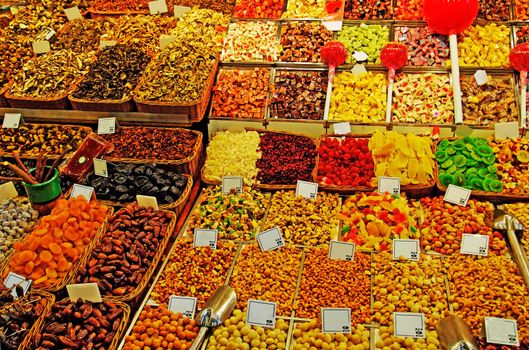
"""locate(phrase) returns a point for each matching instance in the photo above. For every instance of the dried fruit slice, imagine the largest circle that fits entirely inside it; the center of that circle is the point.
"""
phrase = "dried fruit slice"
(484, 150)
(446, 179)
(523, 156)
(441, 156)
(460, 161)
(496, 186)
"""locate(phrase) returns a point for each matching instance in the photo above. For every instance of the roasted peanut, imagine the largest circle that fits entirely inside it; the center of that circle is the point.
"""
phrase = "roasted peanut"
(309, 335)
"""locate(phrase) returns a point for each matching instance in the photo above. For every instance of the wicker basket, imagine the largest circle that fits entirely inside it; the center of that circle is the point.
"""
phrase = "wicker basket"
(49, 300)
(3, 100)
(195, 110)
(124, 105)
(60, 102)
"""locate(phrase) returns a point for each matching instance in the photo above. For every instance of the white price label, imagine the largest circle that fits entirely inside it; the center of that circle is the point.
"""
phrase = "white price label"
(232, 182)
(205, 238)
(81, 190)
(12, 120)
(333, 26)
(360, 69)
(475, 244)
(147, 201)
(457, 195)
(184, 305)
(180, 11)
(165, 40)
(41, 46)
(360, 56)
(408, 324)
(107, 125)
(158, 6)
(407, 248)
(481, 77)
(388, 184)
(336, 320)
(100, 167)
(342, 251)
(73, 13)
(270, 239)
(305, 189)
(508, 130)
(85, 291)
(261, 313)
(7, 191)
(106, 43)
(13, 279)
(501, 331)
(343, 128)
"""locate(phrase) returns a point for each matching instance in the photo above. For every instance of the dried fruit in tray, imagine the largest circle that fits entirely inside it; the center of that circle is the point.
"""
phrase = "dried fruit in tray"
(372, 221)
(241, 93)
(17, 219)
(521, 34)
(232, 154)
(484, 46)
(521, 10)
(469, 162)
(225, 7)
(409, 10)
(251, 41)
(16, 51)
(195, 272)
(302, 41)
(368, 9)
(258, 9)
(298, 95)
(493, 10)
(83, 35)
(425, 48)
(443, 225)
(345, 162)
(369, 39)
(58, 6)
(408, 157)
(305, 9)
(235, 216)
(393, 281)
(358, 98)
(30, 20)
(269, 275)
(334, 283)
(120, 6)
(310, 222)
(309, 335)
(386, 339)
(512, 165)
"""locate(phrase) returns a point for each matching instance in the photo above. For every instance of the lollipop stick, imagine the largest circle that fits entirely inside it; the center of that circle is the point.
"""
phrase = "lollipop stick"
(332, 70)
(389, 100)
(523, 98)
(456, 85)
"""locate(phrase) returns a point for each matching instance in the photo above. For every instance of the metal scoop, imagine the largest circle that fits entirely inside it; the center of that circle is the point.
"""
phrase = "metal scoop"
(507, 222)
(218, 308)
(455, 334)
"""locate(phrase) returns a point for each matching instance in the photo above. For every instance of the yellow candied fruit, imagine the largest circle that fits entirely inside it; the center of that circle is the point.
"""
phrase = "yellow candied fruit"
(485, 46)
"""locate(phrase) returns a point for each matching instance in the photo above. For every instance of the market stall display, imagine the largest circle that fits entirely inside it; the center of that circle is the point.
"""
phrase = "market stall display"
(368, 9)
(258, 9)
(365, 38)
(304, 9)
(425, 48)
(248, 41)
(119, 7)
(302, 41)
(409, 10)
(484, 46)
(310, 334)
(82, 35)
(521, 10)
(225, 7)
(511, 166)
(494, 10)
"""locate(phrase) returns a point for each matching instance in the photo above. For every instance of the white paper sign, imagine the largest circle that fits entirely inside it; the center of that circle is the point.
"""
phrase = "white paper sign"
(106, 126)
(501, 331)
(105, 43)
(333, 26)
(41, 46)
(261, 313)
(360, 56)
(407, 248)
(81, 190)
(481, 77)
(336, 320)
(158, 6)
(408, 324)
(13, 279)
(147, 201)
(85, 291)
(180, 11)
(305, 189)
(73, 13)
(165, 40)
(100, 167)
(388, 184)
(343, 128)
(205, 238)
(342, 251)
(270, 239)
(508, 130)
(457, 195)
(359, 69)
(475, 244)
(231, 182)
(7, 191)
(12, 120)
(184, 305)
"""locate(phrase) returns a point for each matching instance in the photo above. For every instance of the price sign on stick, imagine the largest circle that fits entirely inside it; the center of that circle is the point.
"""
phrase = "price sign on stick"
(184, 305)
(261, 313)
(12, 120)
(457, 195)
(388, 184)
(205, 238)
(342, 251)
(106, 126)
(407, 248)
(305, 189)
(501, 331)
(475, 244)
(81, 190)
(270, 239)
(409, 324)
(13, 279)
(231, 182)
(336, 320)
(85, 291)
(100, 167)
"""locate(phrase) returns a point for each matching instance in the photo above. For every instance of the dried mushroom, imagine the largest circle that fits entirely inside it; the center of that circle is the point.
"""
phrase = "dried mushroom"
(215, 5)
(82, 35)
(120, 5)
(31, 19)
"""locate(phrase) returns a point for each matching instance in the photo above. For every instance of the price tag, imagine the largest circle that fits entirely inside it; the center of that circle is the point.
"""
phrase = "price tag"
(7, 191)
(360, 56)
(481, 77)
(408, 248)
(501, 331)
(335, 320)
(85, 291)
(106, 126)
(408, 324)
(13, 279)
(261, 313)
(147, 201)
(180, 11)
(73, 13)
(333, 26)
(12, 120)
(270, 239)
(41, 46)
(232, 182)
(100, 167)
(158, 6)
(506, 130)
(105, 43)
(165, 40)
(81, 190)
(205, 238)
(343, 128)
(359, 69)
(475, 244)
(184, 305)
(388, 184)
(305, 189)
(342, 251)
(457, 195)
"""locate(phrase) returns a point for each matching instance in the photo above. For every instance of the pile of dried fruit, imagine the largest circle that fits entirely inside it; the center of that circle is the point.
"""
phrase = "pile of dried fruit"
(120, 6)
(224, 7)
(258, 9)
(83, 35)
(17, 218)
(251, 41)
(386, 339)
(512, 165)
(302, 41)
(308, 335)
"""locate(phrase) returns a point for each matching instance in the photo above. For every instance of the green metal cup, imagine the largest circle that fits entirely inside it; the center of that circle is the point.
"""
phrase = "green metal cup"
(44, 192)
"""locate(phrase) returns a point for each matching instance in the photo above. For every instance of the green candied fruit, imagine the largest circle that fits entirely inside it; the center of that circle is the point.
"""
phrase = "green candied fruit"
(364, 38)
(496, 186)
(447, 179)
(441, 156)
(460, 161)
(484, 151)
(447, 164)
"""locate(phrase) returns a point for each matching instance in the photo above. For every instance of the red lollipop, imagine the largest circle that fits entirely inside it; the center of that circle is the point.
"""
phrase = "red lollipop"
(519, 59)
(451, 17)
(393, 57)
(333, 54)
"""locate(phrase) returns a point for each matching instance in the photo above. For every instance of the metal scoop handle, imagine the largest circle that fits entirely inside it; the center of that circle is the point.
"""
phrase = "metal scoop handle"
(518, 254)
